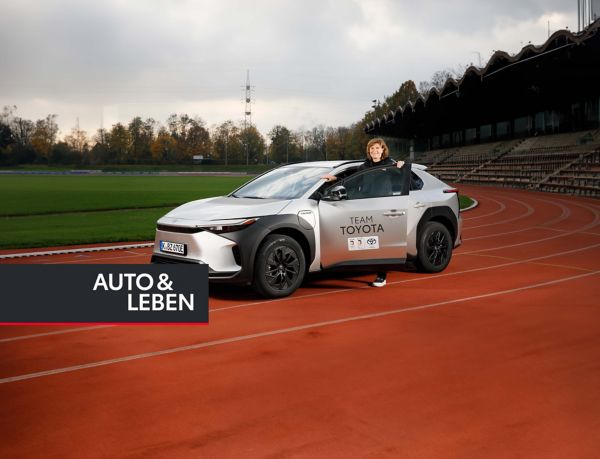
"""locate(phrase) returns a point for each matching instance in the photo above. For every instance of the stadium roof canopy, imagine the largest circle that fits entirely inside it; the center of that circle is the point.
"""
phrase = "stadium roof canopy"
(564, 70)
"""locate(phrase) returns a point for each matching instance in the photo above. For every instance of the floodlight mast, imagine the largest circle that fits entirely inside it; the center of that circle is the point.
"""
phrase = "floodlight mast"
(247, 113)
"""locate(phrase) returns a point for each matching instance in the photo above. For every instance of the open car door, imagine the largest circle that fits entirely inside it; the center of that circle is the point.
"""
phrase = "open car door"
(363, 219)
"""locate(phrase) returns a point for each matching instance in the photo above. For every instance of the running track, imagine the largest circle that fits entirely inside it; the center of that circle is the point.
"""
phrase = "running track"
(498, 356)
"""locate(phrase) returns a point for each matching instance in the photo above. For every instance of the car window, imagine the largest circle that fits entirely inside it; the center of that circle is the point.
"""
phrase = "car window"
(416, 183)
(340, 176)
(283, 183)
(376, 183)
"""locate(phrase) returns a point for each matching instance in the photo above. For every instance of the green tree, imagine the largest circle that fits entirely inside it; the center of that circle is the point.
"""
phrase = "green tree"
(358, 141)
(338, 142)
(141, 135)
(44, 136)
(21, 132)
(164, 147)
(227, 144)
(198, 140)
(118, 141)
(62, 153)
(190, 135)
(99, 153)
(405, 94)
(253, 144)
(6, 136)
(284, 146)
(78, 143)
(314, 144)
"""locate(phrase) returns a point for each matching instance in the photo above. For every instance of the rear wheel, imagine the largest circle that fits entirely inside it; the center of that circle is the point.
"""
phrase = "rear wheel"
(279, 267)
(434, 248)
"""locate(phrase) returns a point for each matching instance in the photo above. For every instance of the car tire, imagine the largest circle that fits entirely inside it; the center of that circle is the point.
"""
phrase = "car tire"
(280, 266)
(434, 249)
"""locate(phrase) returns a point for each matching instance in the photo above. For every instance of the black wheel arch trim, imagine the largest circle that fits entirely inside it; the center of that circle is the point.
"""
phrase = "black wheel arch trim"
(443, 215)
(250, 239)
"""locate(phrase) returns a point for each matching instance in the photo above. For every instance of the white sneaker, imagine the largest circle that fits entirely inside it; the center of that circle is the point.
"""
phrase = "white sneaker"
(379, 282)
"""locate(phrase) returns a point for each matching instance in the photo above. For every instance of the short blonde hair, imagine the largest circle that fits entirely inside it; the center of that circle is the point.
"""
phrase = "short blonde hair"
(384, 147)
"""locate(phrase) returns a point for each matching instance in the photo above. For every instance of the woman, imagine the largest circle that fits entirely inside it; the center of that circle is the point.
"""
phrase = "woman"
(377, 155)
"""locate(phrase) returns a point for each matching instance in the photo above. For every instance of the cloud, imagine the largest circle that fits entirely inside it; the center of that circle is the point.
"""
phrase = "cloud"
(311, 62)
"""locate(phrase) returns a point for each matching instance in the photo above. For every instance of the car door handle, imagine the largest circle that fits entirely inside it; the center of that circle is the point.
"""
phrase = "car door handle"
(418, 205)
(394, 213)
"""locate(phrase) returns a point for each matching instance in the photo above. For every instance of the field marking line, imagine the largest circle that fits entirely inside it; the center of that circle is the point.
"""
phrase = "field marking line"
(287, 330)
(72, 251)
(56, 332)
(476, 253)
(414, 279)
(552, 265)
(501, 206)
(566, 212)
(594, 223)
(74, 262)
(335, 291)
(530, 210)
(488, 255)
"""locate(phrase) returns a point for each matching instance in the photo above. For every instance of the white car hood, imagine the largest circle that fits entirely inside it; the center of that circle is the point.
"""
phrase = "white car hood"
(222, 208)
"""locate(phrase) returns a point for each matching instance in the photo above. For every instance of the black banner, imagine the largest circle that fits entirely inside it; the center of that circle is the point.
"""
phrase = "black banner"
(103, 294)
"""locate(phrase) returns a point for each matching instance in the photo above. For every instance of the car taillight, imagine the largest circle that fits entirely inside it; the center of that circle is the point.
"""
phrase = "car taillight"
(451, 190)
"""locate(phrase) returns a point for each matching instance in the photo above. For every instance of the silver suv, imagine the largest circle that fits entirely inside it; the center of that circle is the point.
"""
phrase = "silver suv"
(289, 221)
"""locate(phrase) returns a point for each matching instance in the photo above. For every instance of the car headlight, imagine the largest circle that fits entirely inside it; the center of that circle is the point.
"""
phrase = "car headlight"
(229, 227)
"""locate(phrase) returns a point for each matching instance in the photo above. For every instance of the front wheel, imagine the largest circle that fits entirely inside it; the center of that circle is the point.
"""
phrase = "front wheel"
(279, 267)
(434, 248)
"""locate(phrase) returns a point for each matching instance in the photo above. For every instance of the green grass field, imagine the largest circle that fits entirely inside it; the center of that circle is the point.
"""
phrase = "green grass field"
(465, 201)
(79, 228)
(41, 211)
(250, 169)
(34, 195)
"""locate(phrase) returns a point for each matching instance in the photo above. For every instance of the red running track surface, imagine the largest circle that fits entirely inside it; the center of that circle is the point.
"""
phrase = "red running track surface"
(498, 356)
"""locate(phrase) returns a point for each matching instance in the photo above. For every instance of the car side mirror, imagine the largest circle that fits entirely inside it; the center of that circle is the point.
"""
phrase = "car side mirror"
(336, 193)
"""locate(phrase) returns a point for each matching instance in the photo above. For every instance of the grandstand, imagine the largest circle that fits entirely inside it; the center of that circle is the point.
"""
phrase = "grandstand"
(529, 120)
(565, 163)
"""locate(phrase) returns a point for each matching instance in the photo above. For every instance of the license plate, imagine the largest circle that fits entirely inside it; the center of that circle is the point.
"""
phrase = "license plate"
(173, 247)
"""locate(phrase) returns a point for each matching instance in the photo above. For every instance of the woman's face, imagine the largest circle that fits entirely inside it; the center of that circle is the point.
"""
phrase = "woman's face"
(376, 152)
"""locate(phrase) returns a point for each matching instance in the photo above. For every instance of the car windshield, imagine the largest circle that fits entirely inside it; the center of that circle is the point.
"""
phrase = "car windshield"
(288, 182)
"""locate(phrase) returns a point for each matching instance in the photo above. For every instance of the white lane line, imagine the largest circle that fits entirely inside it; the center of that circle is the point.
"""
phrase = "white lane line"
(282, 331)
(565, 232)
(530, 210)
(566, 212)
(56, 332)
(474, 203)
(553, 265)
(416, 279)
(501, 206)
(88, 260)
(594, 223)
(71, 251)
(338, 290)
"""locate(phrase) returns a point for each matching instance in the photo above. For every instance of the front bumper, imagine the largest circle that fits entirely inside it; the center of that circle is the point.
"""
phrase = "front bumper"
(219, 253)
(230, 256)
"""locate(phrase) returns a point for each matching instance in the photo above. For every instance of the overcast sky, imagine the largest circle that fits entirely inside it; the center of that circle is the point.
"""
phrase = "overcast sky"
(311, 61)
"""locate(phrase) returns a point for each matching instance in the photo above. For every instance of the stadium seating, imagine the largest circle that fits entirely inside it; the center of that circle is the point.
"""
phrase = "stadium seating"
(564, 163)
